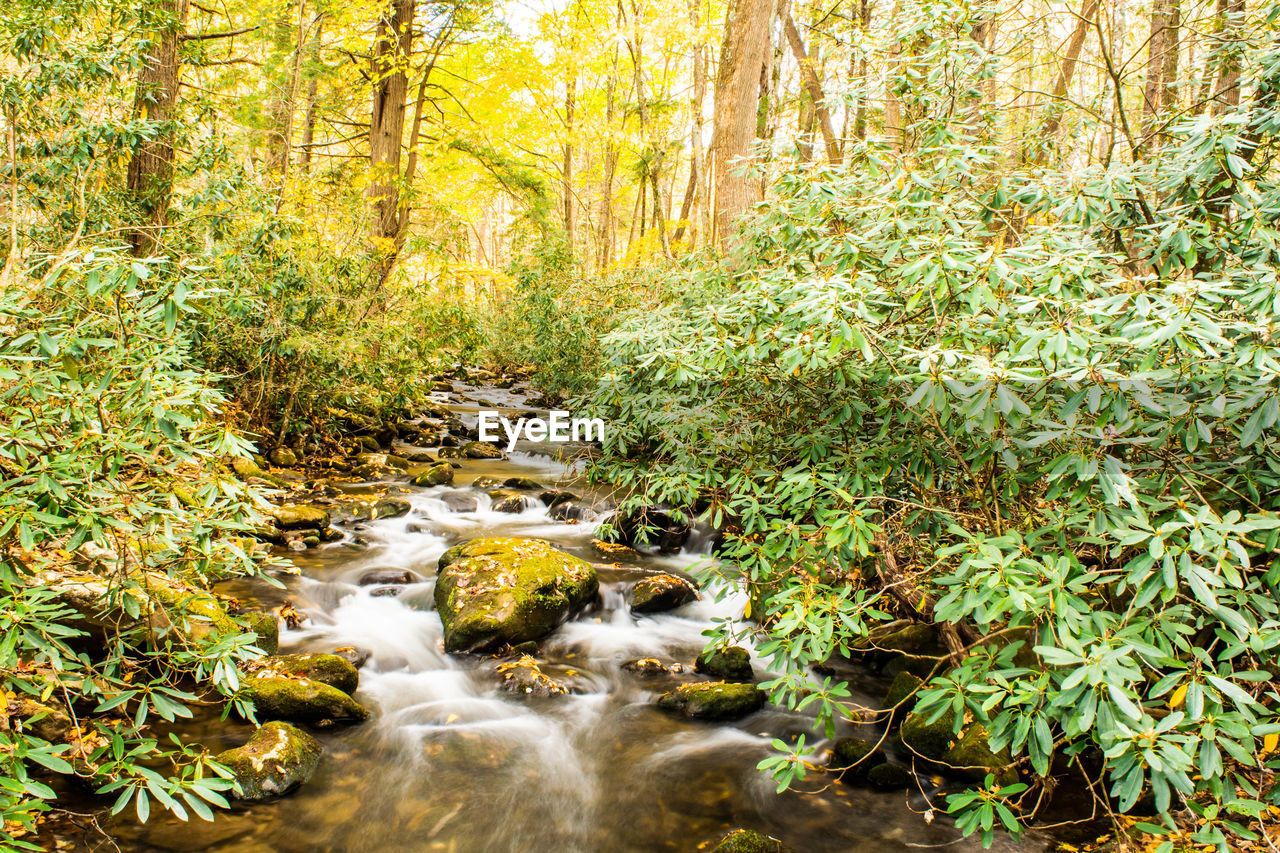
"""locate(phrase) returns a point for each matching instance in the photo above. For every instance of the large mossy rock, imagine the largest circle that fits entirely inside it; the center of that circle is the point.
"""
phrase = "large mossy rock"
(713, 700)
(889, 777)
(436, 475)
(972, 758)
(853, 758)
(929, 739)
(659, 593)
(503, 591)
(300, 517)
(327, 669)
(301, 700)
(749, 841)
(266, 626)
(276, 760)
(901, 697)
(481, 450)
(731, 664)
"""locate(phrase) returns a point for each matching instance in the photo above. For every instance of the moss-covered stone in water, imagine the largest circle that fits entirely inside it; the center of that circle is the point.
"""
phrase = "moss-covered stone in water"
(301, 701)
(481, 450)
(507, 500)
(499, 591)
(854, 757)
(749, 841)
(889, 777)
(43, 721)
(523, 483)
(713, 700)
(972, 758)
(659, 593)
(266, 626)
(391, 508)
(283, 457)
(901, 695)
(277, 759)
(332, 670)
(436, 475)
(300, 517)
(731, 664)
(930, 740)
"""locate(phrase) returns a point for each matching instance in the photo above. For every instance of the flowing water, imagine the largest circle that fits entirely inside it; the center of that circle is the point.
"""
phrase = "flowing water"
(449, 762)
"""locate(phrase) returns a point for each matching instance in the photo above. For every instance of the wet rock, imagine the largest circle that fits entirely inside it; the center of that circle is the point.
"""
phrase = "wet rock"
(645, 666)
(283, 457)
(525, 677)
(481, 450)
(713, 700)
(448, 452)
(43, 721)
(749, 841)
(300, 517)
(522, 483)
(353, 655)
(386, 591)
(499, 591)
(889, 777)
(326, 669)
(418, 454)
(731, 664)
(368, 443)
(249, 470)
(507, 500)
(353, 512)
(650, 526)
(572, 511)
(436, 475)
(853, 758)
(380, 577)
(459, 502)
(929, 739)
(973, 759)
(659, 593)
(266, 626)
(901, 696)
(551, 497)
(276, 760)
(391, 508)
(301, 701)
(486, 482)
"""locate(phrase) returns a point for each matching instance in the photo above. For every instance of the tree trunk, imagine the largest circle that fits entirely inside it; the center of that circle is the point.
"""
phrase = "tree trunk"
(737, 101)
(894, 132)
(1226, 90)
(608, 226)
(566, 175)
(1062, 82)
(150, 177)
(386, 126)
(688, 207)
(290, 107)
(860, 113)
(814, 87)
(1163, 39)
(313, 82)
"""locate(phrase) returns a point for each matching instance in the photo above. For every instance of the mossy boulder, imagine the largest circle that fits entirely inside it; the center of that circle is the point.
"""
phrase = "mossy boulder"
(929, 739)
(277, 759)
(853, 758)
(492, 592)
(481, 450)
(248, 469)
(301, 700)
(731, 664)
(551, 497)
(889, 777)
(524, 676)
(659, 593)
(523, 483)
(391, 508)
(901, 696)
(283, 457)
(43, 721)
(713, 700)
(651, 526)
(972, 758)
(749, 841)
(507, 500)
(436, 475)
(266, 626)
(300, 517)
(332, 670)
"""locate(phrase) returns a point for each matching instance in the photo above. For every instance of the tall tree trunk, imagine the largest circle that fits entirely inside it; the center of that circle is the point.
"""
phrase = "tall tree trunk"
(1062, 82)
(386, 126)
(608, 224)
(814, 87)
(860, 113)
(1162, 40)
(290, 107)
(566, 174)
(313, 83)
(1226, 89)
(737, 101)
(894, 132)
(150, 176)
(688, 207)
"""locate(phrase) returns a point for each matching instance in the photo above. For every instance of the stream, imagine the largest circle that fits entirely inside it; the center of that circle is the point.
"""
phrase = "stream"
(450, 762)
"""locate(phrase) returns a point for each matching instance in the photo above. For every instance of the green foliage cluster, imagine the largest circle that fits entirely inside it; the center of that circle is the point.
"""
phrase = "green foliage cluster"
(1046, 401)
(111, 456)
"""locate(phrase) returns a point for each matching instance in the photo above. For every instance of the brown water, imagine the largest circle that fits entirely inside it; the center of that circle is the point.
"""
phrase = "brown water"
(448, 762)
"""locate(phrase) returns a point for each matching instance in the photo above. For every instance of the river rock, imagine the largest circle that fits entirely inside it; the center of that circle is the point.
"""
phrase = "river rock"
(749, 841)
(436, 475)
(249, 470)
(327, 669)
(889, 777)
(276, 760)
(551, 497)
(731, 664)
(418, 454)
(646, 666)
(499, 591)
(713, 700)
(572, 511)
(486, 482)
(301, 700)
(901, 697)
(507, 500)
(853, 758)
(525, 677)
(448, 452)
(266, 626)
(973, 759)
(522, 483)
(354, 655)
(928, 739)
(283, 457)
(391, 508)
(651, 526)
(460, 502)
(300, 517)
(481, 450)
(43, 721)
(381, 577)
(659, 593)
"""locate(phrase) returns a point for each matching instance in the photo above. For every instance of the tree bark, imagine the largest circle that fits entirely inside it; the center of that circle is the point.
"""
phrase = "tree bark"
(737, 100)
(860, 113)
(566, 174)
(313, 83)
(1062, 82)
(390, 65)
(688, 207)
(1226, 89)
(1163, 40)
(814, 87)
(150, 176)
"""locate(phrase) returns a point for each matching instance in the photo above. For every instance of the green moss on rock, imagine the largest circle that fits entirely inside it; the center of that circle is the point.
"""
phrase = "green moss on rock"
(391, 508)
(713, 700)
(659, 593)
(929, 739)
(492, 592)
(332, 670)
(889, 777)
(972, 758)
(266, 626)
(901, 695)
(436, 475)
(731, 664)
(749, 841)
(301, 701)
(300, 517)
(276, 760)
(853, 758)
(481, 450)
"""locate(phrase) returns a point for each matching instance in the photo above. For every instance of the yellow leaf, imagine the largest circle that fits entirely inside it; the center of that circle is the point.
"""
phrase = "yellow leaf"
(1270, 742)
(1175, 700)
